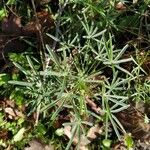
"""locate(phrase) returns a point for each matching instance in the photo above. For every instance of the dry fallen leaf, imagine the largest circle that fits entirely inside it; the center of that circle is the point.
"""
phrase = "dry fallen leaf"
(133, 121)
(67, 132)
(13, 113)
(45, 20)
(83, 141)
(93, 132)
(36, 145)
(10, 103)
(12, 24)
(10, 111)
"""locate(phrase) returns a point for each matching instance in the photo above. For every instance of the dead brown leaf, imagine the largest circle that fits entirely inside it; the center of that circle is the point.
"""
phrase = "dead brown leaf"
(36, 145)
(119, 146)
(13, 113)
(10, 112)
(93, 132)
(31, 27)
(3, 134)
(83, 141)
(10, 103)
(12, 24)
(45, 21)
(133, 121)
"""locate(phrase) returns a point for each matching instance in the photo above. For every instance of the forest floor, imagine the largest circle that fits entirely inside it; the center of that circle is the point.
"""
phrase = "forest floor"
(74, 75)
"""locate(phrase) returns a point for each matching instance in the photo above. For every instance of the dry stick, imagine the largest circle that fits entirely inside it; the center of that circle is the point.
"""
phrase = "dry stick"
(42, 53)
(146, 22)
(93, 106)
(12, 11)
(60, 11)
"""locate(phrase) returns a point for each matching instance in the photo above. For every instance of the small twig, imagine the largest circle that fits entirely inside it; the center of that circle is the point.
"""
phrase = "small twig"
(60, 11)
(40, 36)
(93, 106)
(12, 12)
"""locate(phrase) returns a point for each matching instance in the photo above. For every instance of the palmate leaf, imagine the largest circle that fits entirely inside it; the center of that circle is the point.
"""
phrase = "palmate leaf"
(124, 70)
(54, 115)
(21, 83)
(121, 52)
(115, 127)
(53, 73)
(116, 62)
(117, 104)
(21, 68)
(119, 109)
(116, 101)
(99, 34)
(31, 65)
(91, 30)
(53, 56)
(50, 105)
(54, 38)
(118, 122)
